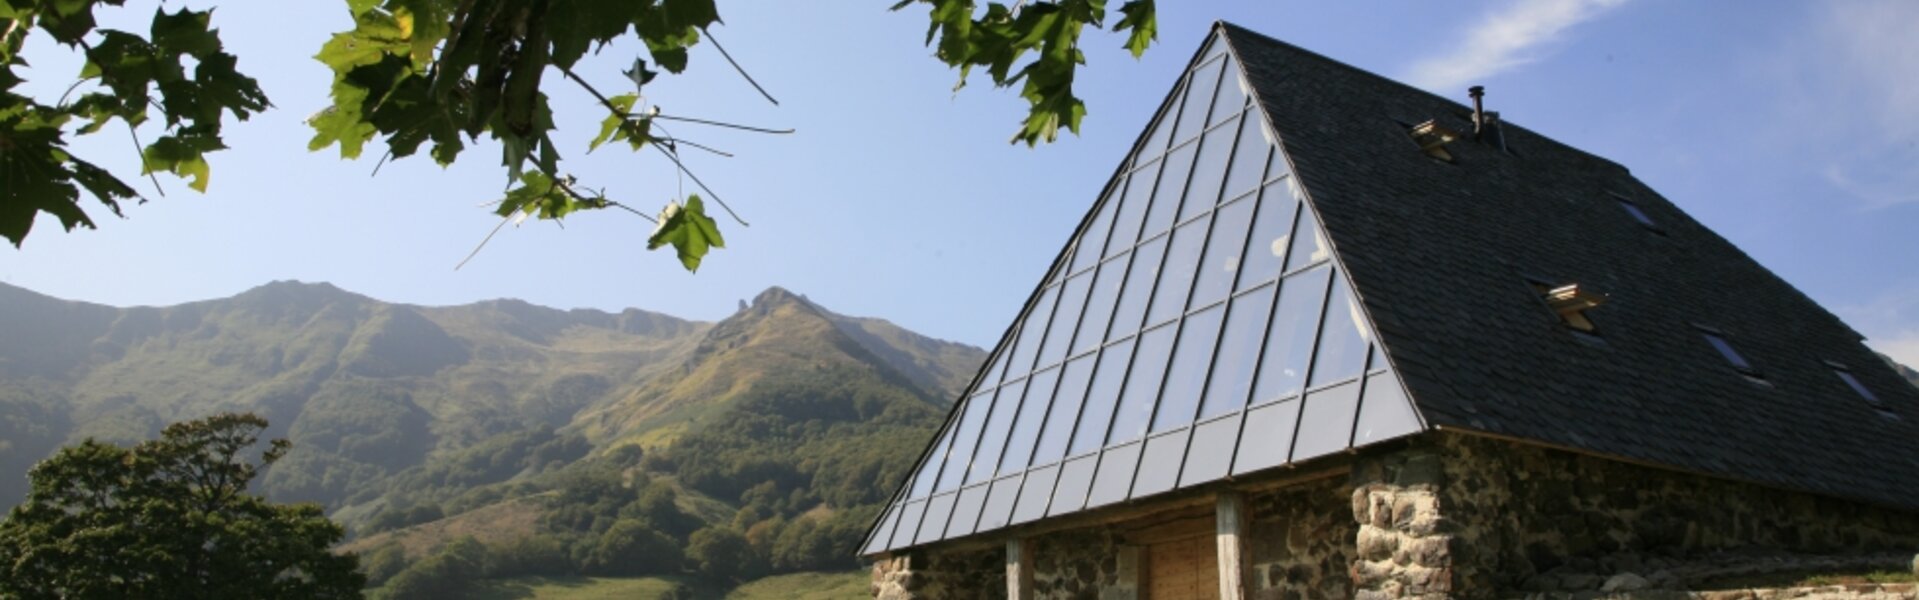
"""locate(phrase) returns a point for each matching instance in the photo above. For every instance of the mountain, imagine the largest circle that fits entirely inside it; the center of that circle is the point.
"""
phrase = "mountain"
(1909, 373)
(389, 404)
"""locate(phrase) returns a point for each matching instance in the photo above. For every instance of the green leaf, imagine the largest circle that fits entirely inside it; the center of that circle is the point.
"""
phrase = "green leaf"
(1143, 20)
(618, 126)
(689, 230)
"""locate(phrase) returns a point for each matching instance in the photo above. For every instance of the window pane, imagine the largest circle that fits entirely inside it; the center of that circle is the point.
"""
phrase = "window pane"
(1036, 491)
(1101, 397)
(1249, 157)
(1199, 98)
(1222, 253)
(1162, 127)
(1231, 95)
(1142, 391)
(962, 452)
(1176, 273)
(1115, 475)
(1031, 332)
(1092, 243)
(930, 471)
(1232, 376)
(999, 504)
(1272, 234)
(1385, 414)
(1637, 213)
(1277, 166)
(884, 533)
(1209, 172)
(909, 524)
(1268, 437)
(1860, 388)
(1159, 468)
(1099, 306)
(1725, 349)
(1066, 403)
(1019, 445)
(1139, 193)
(1327, 426)
(1289, 341)
(1060, 333)
(1378, 361)
(1186, 375)
(966, 511)
(1211, 455)
(1074, 478)
(1308, 245)
(1139, 288)
(1342, 344)
(993, 436)
(1172, 183)
(938, 511)
(996, 373)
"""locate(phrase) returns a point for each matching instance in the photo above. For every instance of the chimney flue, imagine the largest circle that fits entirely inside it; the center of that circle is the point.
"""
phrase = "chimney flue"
(1478, 92)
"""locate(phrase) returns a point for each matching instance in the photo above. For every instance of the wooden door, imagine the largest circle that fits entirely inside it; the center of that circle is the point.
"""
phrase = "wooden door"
(1183, 569)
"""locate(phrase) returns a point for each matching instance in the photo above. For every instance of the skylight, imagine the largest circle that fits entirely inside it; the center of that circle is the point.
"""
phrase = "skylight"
(1719, 343)
(1638, 214)
(1845, 374)
(1432, 138)
(1570, 302)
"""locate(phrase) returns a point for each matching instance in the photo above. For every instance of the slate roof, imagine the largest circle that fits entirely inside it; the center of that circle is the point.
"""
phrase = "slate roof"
(1441, 255)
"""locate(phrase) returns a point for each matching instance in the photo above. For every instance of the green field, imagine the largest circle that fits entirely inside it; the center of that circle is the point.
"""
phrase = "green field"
(796, 586)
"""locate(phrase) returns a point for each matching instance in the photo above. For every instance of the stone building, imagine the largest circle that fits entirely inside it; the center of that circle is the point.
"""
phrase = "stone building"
(1324, 335)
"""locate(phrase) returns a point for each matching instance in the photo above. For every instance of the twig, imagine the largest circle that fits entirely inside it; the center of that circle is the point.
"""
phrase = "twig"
(560, 182)
(489, 238)
(137, 149)
(736, 65)
(669, 155)
(723, 124)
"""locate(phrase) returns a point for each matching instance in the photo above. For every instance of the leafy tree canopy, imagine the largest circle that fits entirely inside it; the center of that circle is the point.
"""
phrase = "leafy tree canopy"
(439, 74)
(169, 518)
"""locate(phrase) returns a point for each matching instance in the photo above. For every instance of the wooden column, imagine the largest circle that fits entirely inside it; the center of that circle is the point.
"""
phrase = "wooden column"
(1019, 569)
(1230, 518)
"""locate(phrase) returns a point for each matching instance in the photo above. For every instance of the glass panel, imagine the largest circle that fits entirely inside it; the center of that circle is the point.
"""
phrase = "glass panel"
(1725, 349)
(1637, 214)
(1160, 466)
(1231, 95)
(1019, 444)
(995, 374)
(1327, 426)
(1272, 235)
(1385, 414)
(1277, 166)
(1142, 391)
(1289, 341)
(1342, 344)
(1099, 306)
(1249, 157)
(1101, 398)
(1199, 98)
(1038, 488)
(1092, 243)
(969, 434)
(1132, 212)
(1232, 376)
(1268, 437)
(909, 524)
(966, 511)
(1139, 288)
(883, 533)
(1074, 477)
(1032, 331)
(1852, 382)
(1066, 403)
(999, 504)
(1186, 375)
(929, 472)
(938, 511)
(1172, 183)
(1222, 253)
(1115, 475)
(1378, 361)
(1308, 245)
(1209, 172)
(1060, 333)
(1162, 127)
(1176, 273)
(993, 436)
(1211, 455)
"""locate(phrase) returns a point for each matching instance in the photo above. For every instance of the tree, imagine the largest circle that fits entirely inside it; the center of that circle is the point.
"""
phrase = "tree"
(169, 518)
(722, 554)
(441, 73)
(630, 548)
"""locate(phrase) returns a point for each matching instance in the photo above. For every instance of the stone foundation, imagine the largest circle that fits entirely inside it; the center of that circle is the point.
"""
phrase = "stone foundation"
(1299, 542)
(935, 575)
(1082, 563)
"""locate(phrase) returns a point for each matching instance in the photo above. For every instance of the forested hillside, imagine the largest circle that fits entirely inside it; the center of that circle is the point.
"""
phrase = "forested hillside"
(541, 441)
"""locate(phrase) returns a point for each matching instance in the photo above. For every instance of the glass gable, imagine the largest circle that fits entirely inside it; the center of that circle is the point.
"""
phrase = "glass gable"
(1199, 327)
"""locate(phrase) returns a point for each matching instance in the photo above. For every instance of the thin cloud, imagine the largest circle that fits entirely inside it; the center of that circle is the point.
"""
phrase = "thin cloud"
(1506, 38)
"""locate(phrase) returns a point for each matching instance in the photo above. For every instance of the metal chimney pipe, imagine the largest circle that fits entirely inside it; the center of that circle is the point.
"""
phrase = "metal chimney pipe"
(1478, 92)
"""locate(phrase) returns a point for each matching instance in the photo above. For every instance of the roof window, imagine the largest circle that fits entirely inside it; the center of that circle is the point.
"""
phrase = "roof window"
(1638, 214)
(1845, 374)
(1432, 139)
(1571, 301)
(1718, 341)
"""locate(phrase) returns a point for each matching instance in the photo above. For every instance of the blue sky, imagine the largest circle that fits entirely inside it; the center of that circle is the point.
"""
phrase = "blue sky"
(1790, 128)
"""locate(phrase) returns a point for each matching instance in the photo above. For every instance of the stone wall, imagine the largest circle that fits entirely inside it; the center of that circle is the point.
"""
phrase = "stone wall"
(1299, 542)
(1470, 517)
(1083, 564)
(940, 575)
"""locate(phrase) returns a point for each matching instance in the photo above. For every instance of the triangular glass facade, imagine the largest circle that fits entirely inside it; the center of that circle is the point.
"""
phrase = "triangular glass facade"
(1198, 327)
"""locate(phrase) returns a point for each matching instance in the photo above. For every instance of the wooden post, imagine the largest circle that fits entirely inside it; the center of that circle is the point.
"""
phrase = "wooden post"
(1230, 518)
(1019, 569)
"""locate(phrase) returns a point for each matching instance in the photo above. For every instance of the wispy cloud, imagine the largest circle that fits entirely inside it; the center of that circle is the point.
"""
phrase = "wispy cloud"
(1877, 54)
(1890, 322)
(1508, 37)
(1857, 83)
